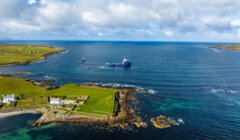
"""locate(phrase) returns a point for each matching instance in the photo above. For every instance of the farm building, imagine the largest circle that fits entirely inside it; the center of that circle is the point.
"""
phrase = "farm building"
(54, 100)
(9, 98)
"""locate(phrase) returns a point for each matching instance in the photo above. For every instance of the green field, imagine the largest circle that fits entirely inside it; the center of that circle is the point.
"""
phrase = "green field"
(100, 101)
(233, 47)
(23, 54)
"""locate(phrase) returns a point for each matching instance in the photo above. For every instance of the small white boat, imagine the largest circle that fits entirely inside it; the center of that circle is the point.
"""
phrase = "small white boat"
(83, 59)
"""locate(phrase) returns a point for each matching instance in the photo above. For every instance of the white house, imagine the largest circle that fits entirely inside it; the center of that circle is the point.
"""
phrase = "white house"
(9, 98)
(54, 100)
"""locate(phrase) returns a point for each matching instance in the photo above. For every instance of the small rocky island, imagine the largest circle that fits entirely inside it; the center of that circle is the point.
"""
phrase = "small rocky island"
(163, 122)
(232, 47)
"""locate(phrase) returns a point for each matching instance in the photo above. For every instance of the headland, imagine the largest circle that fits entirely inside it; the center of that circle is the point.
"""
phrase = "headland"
(24, 54)
(232, 47)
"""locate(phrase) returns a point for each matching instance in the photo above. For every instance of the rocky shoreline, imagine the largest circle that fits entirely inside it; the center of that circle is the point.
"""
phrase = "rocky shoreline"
(125, 116)
(15, 74)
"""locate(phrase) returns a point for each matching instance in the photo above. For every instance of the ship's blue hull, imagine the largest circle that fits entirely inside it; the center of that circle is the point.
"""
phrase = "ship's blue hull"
(119, 64)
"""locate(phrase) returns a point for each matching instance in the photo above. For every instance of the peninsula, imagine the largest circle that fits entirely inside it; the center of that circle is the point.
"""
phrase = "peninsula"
(69, 103)
(25, 54)
(232, 47)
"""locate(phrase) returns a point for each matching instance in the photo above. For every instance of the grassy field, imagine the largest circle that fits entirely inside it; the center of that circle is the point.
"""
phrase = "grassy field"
(32, 102)
(233, 47)
(23, 54)
(100, 100)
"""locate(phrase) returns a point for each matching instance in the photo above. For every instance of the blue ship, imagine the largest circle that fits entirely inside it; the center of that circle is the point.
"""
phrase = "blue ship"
(125, 63)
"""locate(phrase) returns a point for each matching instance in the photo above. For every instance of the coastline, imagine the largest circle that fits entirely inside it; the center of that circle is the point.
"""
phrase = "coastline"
(13, 113)
(230, 47)
(125, 116)
(34, 61)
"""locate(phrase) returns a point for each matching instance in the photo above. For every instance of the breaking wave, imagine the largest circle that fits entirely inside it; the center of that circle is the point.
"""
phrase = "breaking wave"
(216, 90)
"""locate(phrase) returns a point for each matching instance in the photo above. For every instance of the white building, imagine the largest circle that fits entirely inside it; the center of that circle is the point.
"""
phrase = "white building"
(9, 98)
(54, 100)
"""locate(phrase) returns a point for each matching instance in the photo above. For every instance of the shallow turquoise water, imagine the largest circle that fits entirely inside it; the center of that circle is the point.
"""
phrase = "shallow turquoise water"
(190, 82)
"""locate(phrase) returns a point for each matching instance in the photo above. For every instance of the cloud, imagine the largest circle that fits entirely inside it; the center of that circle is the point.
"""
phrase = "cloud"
(127, 20)
(235, 23)
(100, 34)
(18, 26)
(168, 33)
(31, 2)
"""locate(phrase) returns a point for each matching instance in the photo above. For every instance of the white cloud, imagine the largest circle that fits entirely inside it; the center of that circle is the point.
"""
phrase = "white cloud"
(44, 1)
(100, 34)
(168, 33)
(130, 19)
(235, 23)
(31, 2)
(93, 17)
(18, 26)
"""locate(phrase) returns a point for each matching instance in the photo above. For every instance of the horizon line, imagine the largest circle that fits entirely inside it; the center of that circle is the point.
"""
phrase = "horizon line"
(121, 41)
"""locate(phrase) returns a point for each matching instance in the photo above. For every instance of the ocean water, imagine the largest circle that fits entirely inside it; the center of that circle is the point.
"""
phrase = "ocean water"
(190, 81)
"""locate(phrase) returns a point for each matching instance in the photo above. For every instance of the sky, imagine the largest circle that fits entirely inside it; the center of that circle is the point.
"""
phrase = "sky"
(124, 20)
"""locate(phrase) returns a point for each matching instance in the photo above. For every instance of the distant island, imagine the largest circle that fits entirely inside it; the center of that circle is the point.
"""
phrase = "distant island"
(232, 47)
(24, 54)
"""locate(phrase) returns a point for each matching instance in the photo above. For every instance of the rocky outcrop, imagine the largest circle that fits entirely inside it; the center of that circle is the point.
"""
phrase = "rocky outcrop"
(42, 82)
(15, 74)
(163, 122)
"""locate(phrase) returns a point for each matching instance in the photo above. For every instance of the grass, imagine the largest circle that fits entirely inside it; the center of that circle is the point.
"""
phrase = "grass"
(233, 47)
(32, 102)
(100, 101)
(23, 54)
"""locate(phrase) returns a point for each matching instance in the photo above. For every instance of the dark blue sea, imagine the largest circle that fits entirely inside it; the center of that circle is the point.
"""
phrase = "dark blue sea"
(187, 80)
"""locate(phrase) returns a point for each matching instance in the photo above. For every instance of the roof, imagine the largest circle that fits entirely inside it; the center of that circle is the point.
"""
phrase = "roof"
(55, 99)
(9, 96)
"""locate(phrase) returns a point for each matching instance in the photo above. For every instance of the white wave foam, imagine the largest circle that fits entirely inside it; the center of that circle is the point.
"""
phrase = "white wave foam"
(216, 50)
(118, 85)
(138, 88)
(101, 67)
(215, 90)
(40, 61)
(151, 91)
(49, 77)
(114, 85)
(66, 51)
(180, 120)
